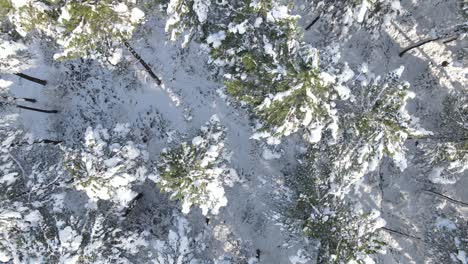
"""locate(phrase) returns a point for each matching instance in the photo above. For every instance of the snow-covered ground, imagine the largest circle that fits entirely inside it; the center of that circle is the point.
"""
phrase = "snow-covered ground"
(249, 229)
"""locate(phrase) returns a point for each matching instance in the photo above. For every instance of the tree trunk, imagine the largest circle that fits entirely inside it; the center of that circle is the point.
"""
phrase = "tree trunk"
(42, 141)
(422, 42)
(37, 110)
(19, 99)
(447, 198)
(400, 233)
(32, 79)
(143, 63)
(313, 22)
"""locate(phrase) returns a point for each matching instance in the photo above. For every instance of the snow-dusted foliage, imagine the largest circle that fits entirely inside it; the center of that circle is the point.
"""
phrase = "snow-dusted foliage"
(80, 28)
(448, 240)
(14, 57)
(195, 172)
(343, 229)
(343, 232)
(447, 154)
(33, 183)
(183, 15)
(373, 124)
(108, 165)
(179, 246)
(267, 65)
(342, 17)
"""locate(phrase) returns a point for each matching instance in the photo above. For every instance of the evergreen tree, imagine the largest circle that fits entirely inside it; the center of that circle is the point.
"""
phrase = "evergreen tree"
(195, 173)
(82, 29)
(108, 165)
(343, 17)
(446, 153)
(267, 66)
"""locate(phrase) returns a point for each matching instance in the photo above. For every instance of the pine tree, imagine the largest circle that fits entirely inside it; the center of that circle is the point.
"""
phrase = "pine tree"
(344, 17)
(194, 173)
(82, 29)
(108, 165)
(267, 66)
(446, 153)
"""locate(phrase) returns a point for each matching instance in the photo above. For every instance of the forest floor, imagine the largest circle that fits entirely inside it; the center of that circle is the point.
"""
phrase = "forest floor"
(86, 94)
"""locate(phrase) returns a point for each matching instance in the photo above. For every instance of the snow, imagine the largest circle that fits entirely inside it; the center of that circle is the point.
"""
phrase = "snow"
(34, 218)
(315, 134)
(299, 258)
(137, 15)
(196, 141)
(436, 177)
(343, 91)
(267, 154)
(201, 7)
(4, 256)
(362, 11)
(278, 13)
(258, 22)
(116, 57)
(69, 238)
(445, 223)
(239, 28)
(462, 256)
(20, 3)
(250, 203)
(9, 178)
(216, 39)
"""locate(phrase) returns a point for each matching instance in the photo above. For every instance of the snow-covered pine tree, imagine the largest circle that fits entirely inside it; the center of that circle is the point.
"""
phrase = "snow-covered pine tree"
(373, 124)
(446, 153)
(82, 29)
(343, 17)
(344, 231)
(267, 66)
(447, 240)
(108, 165)
(194, 173)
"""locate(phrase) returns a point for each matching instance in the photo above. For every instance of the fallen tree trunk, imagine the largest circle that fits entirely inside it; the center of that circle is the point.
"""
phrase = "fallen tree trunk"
(37, 109)
(19, 99)
(399, 233)
(31, 79)
(447, 198)
(143, 63)
(313, 22)
(422, 42)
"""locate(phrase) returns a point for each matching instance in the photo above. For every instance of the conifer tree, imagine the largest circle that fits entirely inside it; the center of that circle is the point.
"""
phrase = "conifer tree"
(82, 29)
(194, 173)
(108, 165)
(267, 65)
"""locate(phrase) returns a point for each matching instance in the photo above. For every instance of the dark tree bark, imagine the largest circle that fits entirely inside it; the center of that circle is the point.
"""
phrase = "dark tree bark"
(447, 198)
(143, 63)
(400, 233)
(422, 42)
(41, 141)
(37, 109)
(31, 79)
(19, 99)
(313, 22)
